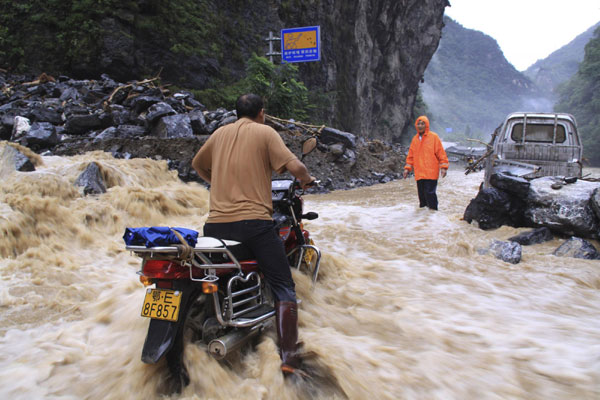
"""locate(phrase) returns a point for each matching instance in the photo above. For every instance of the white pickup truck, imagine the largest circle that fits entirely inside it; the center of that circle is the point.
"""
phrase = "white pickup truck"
(531, 145)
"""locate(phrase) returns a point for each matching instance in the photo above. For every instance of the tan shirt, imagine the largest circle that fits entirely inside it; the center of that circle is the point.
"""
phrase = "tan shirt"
(239, 159)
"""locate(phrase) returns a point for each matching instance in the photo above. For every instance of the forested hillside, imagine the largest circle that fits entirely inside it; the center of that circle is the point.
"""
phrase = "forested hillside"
(580, 96)
(561, 65)
(470, 86)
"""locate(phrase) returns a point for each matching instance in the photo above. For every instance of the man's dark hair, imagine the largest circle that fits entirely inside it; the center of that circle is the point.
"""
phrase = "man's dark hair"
(248, 105)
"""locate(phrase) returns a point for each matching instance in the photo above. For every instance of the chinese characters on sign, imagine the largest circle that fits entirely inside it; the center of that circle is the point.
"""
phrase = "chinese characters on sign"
(301, 44)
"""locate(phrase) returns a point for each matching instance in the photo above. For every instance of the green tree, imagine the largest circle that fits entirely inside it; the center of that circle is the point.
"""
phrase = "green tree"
(580, 96)
(284, 94)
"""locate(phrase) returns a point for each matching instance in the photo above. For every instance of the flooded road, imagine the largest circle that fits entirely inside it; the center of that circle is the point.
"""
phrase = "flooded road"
(405, 307)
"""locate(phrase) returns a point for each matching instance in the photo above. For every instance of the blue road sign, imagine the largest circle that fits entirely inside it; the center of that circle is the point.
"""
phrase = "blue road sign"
(301, 44)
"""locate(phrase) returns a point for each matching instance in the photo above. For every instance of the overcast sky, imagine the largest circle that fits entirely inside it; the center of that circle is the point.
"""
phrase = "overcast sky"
(527, 30)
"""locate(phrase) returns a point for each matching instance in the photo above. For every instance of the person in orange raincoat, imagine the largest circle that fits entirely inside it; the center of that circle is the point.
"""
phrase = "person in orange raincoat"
(426, 157)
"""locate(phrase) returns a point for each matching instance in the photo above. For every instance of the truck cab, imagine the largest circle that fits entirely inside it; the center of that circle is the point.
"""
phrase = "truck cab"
(532, 145)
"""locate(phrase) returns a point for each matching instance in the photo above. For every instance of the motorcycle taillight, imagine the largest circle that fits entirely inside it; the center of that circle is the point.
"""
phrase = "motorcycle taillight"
(164, 269)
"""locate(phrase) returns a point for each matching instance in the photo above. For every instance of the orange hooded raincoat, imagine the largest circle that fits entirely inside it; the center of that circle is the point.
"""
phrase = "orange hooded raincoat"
(426, 155)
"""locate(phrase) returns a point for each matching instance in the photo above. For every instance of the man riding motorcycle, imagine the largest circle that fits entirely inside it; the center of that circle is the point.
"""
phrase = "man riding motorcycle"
(237, 160)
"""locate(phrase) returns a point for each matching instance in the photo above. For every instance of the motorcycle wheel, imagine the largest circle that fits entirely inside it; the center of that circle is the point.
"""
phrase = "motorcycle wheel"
(191, 331)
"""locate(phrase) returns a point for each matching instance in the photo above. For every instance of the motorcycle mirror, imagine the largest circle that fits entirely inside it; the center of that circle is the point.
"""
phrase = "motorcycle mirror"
(308, 146)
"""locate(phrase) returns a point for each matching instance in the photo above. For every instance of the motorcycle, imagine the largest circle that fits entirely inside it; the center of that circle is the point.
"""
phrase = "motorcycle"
(213, 293)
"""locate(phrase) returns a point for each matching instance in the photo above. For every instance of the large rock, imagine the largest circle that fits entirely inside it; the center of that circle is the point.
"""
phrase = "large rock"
(595, 202)
(159, 110)
(492, 208)
(173, 126)
(198, 122)
(567, 210)
(21, 128)
(42, 135)
(511, 184)
(12, 160)
(566, 206)
(121, 131)
(90, 180)
(506, 251)
(577, 248)
(332, 136)
(535, 236)
(80, 124)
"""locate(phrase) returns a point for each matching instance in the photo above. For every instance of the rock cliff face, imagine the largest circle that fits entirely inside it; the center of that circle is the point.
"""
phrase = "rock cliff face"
(374, 54)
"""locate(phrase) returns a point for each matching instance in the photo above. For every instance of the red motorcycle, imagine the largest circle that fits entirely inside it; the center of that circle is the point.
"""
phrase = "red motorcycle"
(212, 293)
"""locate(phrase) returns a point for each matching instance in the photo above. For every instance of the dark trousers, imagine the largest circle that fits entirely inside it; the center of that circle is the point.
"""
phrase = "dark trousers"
(427, 197)
(261, 238)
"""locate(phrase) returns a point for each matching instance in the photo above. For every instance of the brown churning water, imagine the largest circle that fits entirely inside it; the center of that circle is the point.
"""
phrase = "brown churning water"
(405, 307)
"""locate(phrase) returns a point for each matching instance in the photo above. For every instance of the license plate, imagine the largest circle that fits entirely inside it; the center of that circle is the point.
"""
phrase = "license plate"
(162, 304)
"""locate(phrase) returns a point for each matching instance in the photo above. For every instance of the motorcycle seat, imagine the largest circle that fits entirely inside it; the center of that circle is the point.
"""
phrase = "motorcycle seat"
(240, 251)
(214, 243)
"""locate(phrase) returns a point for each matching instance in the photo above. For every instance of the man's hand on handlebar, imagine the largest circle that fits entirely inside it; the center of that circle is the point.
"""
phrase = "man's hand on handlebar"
(306, 184)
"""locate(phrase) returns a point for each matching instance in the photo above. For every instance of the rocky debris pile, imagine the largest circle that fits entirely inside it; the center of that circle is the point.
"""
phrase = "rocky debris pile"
(565, 207)
(63, 116)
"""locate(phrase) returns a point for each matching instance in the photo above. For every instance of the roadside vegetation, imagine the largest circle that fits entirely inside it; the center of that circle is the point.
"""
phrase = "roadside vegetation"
(580, 96)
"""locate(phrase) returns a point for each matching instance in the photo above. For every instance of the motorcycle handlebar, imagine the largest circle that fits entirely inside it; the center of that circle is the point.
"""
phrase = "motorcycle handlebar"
(314, 183)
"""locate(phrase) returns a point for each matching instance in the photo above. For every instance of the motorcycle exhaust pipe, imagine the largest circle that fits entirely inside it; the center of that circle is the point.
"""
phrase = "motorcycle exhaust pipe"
(220, 347)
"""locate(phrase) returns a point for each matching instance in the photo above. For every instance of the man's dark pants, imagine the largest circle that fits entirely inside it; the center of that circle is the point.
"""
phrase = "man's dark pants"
(426, 189)
(261, 238)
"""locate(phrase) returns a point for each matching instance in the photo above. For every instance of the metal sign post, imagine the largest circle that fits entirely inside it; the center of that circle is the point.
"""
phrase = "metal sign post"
(271, 39)
(301, 44)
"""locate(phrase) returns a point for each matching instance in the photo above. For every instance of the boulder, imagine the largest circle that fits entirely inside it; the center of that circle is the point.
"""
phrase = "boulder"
(567, 210)
(492, 208)
(511, 184)
(42, 135)
(46, 112)
(91, 180)
(198, 122)
(227, 120)
(563, 205)
(577, 248)
(118, 115)
(142, 103)
(331, 136)
(121, 131)
(80, 124)
(595, 202)
(21, 127)
(506, 251)
(159, 110)
(173, 126)
(15, 160)
(539, 235)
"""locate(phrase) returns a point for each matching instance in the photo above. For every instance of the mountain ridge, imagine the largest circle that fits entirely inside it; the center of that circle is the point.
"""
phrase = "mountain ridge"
(469, 85)
(561, 64)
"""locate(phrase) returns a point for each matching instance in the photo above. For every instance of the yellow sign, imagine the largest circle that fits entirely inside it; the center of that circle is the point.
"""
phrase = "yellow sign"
(300, 40)
(301, 44)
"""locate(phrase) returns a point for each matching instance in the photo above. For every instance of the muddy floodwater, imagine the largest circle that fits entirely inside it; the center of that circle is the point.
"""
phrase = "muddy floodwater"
(405, 307)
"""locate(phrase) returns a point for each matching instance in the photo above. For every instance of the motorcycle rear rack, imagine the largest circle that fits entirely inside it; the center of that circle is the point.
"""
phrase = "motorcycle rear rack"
(234, 314)
(206, 245)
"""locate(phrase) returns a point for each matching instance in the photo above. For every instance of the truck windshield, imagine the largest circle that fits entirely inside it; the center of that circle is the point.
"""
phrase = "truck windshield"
(543, 133)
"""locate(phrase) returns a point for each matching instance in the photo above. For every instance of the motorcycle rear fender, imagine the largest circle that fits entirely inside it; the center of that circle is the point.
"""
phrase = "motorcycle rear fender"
(160, 338)
(161, 334)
